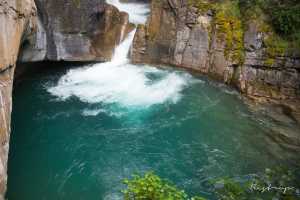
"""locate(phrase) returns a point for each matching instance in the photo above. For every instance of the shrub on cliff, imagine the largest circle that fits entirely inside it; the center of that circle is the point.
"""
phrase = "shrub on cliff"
(284, 15)
(279, 20)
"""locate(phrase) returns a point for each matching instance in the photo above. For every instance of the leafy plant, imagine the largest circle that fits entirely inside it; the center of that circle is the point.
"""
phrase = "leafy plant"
(278, 183)
(152, 187)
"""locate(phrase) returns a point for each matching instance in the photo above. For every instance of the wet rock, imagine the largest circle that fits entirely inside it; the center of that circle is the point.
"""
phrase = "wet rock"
(177, 34)
(158, 41)
(76, 31)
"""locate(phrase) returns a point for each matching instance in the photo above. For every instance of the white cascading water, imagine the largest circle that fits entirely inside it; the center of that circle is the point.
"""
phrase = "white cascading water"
(118, 81)
(138, 12)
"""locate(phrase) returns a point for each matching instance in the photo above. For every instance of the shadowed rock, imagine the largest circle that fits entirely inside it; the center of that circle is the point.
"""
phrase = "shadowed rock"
(75, 31)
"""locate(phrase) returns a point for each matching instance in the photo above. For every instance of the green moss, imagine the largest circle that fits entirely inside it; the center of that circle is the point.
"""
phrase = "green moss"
(275, 45)
(281, 30)
(269, 61)
(202, 5)
(274, 49)
(229, 28)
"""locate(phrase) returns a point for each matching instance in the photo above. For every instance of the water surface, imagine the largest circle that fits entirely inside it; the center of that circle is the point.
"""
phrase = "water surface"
(77, 132)
(77, 148)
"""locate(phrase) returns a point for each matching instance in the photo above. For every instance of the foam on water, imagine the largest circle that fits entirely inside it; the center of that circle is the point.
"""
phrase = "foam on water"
(92, 112)
(126, 85)
(138, 12)
(119, 82)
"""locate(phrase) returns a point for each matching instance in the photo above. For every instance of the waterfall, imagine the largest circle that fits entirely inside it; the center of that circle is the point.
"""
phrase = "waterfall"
(121, 52)
(138, 15)
(118, 82)
(138, 12)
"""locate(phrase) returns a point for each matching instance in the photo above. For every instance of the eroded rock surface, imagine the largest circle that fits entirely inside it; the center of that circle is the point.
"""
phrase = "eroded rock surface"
(75, 30)
(178, 34)
(17, 21)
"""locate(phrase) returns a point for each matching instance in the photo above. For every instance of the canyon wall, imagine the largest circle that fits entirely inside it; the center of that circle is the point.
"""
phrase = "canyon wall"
(17, 21)
(75, 30)
(176, 34)
(69, 30)
(179, 34)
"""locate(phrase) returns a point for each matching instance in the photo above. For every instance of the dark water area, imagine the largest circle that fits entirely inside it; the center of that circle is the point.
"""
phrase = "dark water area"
(76, 148)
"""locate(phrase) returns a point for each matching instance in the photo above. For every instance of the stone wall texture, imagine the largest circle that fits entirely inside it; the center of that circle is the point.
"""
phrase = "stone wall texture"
(17, 20)
(75, 30)
(177, 34)
(38, 30)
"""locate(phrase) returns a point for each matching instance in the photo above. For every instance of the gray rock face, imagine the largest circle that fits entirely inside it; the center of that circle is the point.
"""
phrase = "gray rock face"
(177, 34)
(152, 42)
(35, 47)
(279, 82)
(75, 30)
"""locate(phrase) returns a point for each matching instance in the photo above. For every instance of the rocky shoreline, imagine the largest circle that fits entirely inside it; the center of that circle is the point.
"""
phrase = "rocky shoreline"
(179, 35)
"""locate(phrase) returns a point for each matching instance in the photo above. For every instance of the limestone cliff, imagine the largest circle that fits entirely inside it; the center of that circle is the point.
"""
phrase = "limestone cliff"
(182, 35)
(75, 30)
(17, 21)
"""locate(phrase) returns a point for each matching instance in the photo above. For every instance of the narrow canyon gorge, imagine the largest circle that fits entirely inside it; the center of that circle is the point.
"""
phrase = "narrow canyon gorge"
(176, 34)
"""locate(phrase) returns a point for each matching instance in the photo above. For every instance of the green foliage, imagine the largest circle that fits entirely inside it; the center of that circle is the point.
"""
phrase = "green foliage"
(267, 186)
(261, 188)
(286, 20)
(202, 5)
(231, 190)
(282, 17)
(275, 46)
(229, 28)
(228, 25)
(152, 187)
(281, 177)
